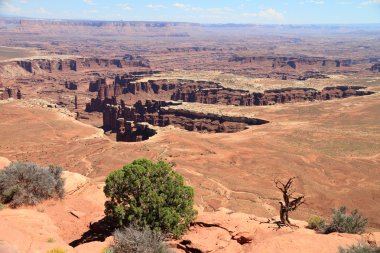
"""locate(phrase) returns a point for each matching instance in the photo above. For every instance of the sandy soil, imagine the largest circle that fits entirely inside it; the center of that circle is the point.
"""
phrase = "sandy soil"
(333, 147)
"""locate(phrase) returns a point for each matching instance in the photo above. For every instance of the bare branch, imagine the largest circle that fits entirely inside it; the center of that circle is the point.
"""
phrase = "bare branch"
(290, 203)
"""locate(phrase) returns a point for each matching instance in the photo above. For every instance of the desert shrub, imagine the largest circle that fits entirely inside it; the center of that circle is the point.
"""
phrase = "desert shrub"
(341, 222)
(151, 195)
(316, 223)
(360, 248)
(28, 183)
(56, 250)
(134, 240)
(107, 250)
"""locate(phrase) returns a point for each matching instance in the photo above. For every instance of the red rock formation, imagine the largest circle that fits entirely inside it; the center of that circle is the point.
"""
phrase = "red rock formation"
(125, 120)
(376, 67)
(133, 132)
(299, 62)
(214, 93)
(9, 92)
(71, 85)
(77, 64)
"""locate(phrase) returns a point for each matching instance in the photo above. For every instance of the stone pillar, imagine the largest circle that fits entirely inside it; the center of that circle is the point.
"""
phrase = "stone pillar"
(76, 102)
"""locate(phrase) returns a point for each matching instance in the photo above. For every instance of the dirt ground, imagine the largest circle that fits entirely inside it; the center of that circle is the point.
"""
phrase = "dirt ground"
(333, 148)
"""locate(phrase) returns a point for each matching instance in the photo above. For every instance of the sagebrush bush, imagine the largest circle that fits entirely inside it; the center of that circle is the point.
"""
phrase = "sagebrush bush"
(56, 250)
(134, 240)
(29, 184)
(341, 222)
(360, 248)
(150, 195)
(107, 250)
(316, 223)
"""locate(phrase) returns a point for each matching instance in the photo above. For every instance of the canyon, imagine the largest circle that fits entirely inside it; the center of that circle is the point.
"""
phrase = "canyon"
(231, 107)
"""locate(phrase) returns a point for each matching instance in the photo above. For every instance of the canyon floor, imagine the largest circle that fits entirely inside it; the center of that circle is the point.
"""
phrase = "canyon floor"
(332, 147)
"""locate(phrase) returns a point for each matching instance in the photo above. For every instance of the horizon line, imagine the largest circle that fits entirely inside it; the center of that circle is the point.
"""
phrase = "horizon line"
(188, 22)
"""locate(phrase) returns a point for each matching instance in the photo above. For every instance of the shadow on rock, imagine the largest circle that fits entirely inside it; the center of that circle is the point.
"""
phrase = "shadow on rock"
(99, 231)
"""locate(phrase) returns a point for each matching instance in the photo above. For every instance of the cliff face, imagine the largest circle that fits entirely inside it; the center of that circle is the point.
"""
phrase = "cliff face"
(375, 67)
(214, 93)
(125, 120)
(62, 65)
(294, 62)
(99, 28)
(78, 64)
(9, 92)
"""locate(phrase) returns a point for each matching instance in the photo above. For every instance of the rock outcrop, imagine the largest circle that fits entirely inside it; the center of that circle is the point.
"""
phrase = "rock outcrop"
(126, 120)
(228, 231)
(71, 85)
(376, 67)
(53, 65)
(298, 62)
(206, 92)
(9, 92)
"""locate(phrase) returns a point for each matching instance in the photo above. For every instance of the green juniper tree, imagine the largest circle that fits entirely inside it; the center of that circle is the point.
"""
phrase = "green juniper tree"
(150, 195)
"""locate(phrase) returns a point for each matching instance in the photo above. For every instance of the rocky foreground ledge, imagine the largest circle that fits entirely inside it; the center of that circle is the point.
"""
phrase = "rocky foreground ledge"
(51, 224)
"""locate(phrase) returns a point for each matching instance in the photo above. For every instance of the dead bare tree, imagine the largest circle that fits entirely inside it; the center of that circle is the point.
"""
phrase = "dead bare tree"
(290, 202)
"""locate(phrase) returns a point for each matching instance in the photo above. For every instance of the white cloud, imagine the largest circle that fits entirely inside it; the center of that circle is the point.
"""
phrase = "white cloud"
(88, 2)
(187, 8)
(316, 2)
(42, 10)
(24, 1)
(155, 6)
(125, 7)
(271, 14)
(370, 2)
(312, 2)
(344, 2)
(7, 7)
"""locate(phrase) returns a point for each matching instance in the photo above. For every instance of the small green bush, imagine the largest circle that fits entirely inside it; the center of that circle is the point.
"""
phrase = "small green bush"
(56, 250)
(134, 240)
(107, 250)
(345, 223)
(360, 248)
(50, 240)
(316, 223)
(151, 195)
(28, 183)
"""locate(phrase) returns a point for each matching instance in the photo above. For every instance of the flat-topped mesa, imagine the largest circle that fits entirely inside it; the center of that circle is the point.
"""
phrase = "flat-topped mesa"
(51, 65)
(121, 81)
(290, 95)
(206, 92)
(108, 90)
(9, 92)
(121, 119)
(300, 62)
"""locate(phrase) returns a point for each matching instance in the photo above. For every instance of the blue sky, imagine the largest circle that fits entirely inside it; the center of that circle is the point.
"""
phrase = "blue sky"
(201, 11)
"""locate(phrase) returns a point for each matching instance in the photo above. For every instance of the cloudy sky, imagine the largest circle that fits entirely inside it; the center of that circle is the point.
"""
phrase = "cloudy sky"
(201, 11)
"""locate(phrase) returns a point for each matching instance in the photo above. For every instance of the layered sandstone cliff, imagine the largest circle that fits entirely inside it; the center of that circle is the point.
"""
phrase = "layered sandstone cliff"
(299, 62)
(126, 120)
(9, 92)
(43, 65)
(206, 92)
